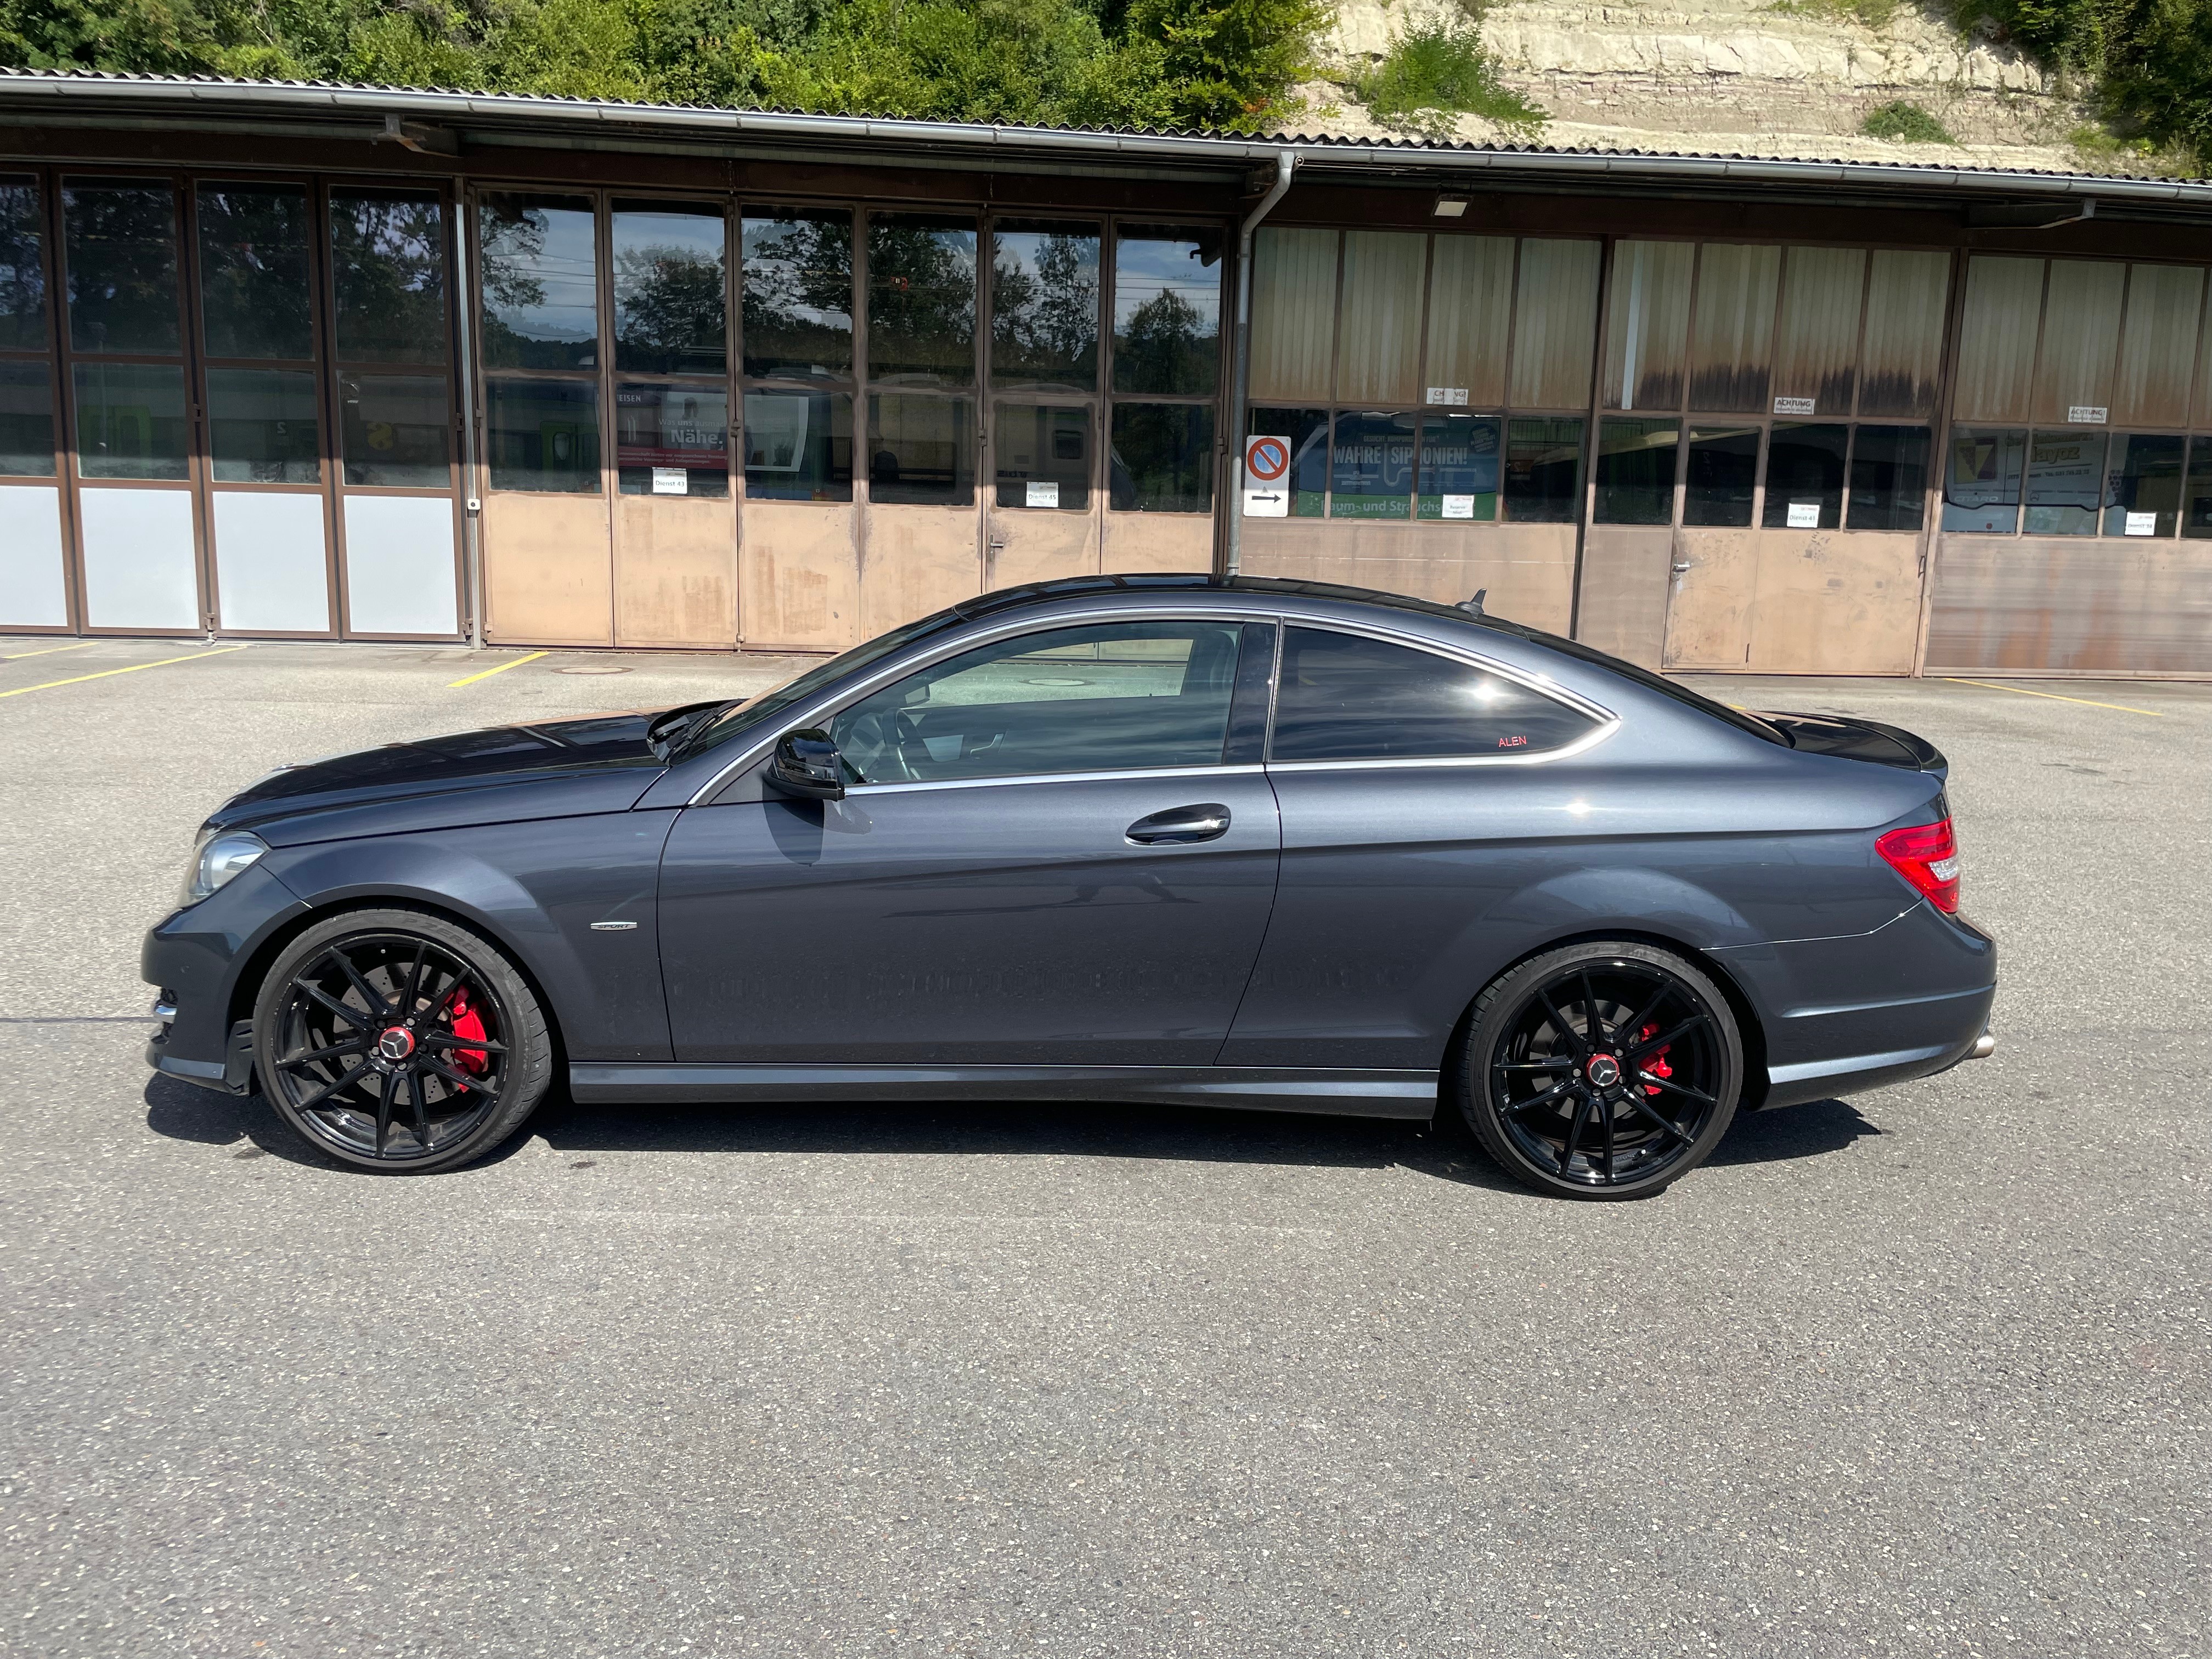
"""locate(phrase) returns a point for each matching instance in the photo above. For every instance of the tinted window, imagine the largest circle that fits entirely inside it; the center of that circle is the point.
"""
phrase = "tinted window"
(261, 425)
(922, 300)
(1889, 477)
(543, 435)
(798, 293)
(22, 267)
(1346, 698)
(1544, 470)
(1167, 309)
(541, 296)
(26, 421)
(1804, 476)
(920, 450)
(799, 445)
(1162, 459)
(1111, 697)
(122, 266)
(673, 439)
(254, 271)
(1636, 471)
(1044, 307)
(393, 429)
(388, 265)
(670, 304)
(1724, 466)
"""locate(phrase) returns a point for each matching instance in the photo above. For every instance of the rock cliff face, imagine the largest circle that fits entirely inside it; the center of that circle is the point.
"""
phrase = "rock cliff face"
(1718, 76)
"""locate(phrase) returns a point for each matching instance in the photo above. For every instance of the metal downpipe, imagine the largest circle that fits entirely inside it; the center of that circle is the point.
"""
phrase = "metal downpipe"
(1240, 370)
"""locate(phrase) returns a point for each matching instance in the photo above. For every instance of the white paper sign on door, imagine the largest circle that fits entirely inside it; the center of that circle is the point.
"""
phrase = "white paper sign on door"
(1804, 515)
(1043, 494)
(1458, 507)
(2143, 523)
(671, 481)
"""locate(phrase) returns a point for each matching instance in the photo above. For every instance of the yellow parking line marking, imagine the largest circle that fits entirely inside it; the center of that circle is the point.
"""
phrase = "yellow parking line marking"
(2086, 702)
(79, 679)
(515, 662)
(49, 651)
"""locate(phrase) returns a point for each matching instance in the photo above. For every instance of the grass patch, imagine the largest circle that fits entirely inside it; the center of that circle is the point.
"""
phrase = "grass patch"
(1906, 123)
(1876, 15)
(1436, 71)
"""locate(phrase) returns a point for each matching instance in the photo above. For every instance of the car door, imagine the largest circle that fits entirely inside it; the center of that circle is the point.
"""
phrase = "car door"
(1058, 846)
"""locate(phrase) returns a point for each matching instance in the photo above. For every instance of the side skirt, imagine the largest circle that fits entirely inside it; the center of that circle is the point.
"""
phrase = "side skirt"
(1247, 1088)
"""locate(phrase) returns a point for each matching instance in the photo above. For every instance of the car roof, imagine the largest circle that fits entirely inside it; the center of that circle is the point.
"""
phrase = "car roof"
(1068, 588)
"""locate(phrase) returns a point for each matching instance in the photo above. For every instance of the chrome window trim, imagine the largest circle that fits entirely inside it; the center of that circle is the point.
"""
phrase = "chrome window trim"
(1131, 775)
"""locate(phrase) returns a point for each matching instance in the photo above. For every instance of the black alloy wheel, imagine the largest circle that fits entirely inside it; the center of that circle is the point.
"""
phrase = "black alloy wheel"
(397, 1041)
(1602, 1071)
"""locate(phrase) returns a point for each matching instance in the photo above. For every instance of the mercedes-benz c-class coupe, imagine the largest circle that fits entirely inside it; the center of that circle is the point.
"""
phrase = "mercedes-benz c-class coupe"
(1226, 842)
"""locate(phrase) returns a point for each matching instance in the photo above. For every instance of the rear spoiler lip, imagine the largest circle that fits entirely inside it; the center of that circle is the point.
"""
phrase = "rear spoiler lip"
(1913, 752)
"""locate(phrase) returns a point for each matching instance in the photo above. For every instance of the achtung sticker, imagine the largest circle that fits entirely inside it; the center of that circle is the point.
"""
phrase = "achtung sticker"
(1793, 405)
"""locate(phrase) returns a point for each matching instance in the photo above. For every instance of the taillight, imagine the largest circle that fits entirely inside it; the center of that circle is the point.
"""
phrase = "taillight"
(1926, 855)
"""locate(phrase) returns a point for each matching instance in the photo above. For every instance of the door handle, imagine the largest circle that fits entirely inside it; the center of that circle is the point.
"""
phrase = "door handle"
(1181, 825)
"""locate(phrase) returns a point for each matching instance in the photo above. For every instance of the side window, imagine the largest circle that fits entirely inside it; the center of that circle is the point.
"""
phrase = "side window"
(1108, 697)
(1346, 698)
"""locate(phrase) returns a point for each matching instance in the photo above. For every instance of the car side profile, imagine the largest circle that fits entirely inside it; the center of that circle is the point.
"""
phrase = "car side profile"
(1222, 842)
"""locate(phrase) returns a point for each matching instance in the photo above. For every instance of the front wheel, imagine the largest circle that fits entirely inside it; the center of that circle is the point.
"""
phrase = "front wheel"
(1604, 1070)
(397, 1041)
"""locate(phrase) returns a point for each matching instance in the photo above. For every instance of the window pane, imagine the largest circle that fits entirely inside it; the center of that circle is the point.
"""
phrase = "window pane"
(2074, 366)
(541, 307)
(1459, 466)
(543, 435)
(672, 307)
(1113, 696)
(1306, 430)
(26, 421)
(1162, 461)
(798, 447)
(2198, 525)
(1805, 477)
(672, 440)
(1732, 327)
(1544, 470)
(388, 261)
(1636, 471)
(254, 286)
(1723, 464)
(1889, 477)
(1908, 298)
(1981, 480)
(1293, 313)
(122, 266)
(1167, 309)
(1344, 697)
(1647, 339)
(22, 267)
(2157, 346)
(1816, 349)
(921, 450)
(1554, 324)
(394, 429)
(1470, 311)
(798, 295)
(1044, 306)
(2143, 495)
(1378, 331)
(1997, 338)
(1042, 457)
(130, 421)
(2065, 481)
(262, 425)
(922, 300)
(1371, 467)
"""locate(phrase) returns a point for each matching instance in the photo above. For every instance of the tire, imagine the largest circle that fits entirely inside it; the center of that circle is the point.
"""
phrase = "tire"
(1537, 1091)
(363, 1077)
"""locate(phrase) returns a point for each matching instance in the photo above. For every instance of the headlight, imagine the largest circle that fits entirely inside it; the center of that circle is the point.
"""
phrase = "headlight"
(215, 860)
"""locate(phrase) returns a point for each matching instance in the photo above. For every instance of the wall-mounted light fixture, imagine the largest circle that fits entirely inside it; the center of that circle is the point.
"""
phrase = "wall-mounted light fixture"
(1449, 207)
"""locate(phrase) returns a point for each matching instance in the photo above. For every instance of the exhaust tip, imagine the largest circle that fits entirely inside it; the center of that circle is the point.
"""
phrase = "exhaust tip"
(1984, 1046)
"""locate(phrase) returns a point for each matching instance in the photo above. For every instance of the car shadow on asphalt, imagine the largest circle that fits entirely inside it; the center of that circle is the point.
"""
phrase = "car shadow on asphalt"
(1191, 1134)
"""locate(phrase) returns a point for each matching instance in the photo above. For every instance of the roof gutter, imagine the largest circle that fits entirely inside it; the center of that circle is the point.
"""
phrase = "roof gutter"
(1240, 362)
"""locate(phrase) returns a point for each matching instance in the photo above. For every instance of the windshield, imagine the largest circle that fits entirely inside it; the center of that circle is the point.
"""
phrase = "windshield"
(745, 717)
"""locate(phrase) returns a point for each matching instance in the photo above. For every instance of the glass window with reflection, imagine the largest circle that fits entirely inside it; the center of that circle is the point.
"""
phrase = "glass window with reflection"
(541, 285)
(1717, 485)
(1636, 471)
(922, 300)
(1044, 306)
(393, 430)
(799, 445)
(2143, 497)
(1161, 459)
(2065, 484)
(1543, 477)
(1167, 309)
(543, 436)
(388, 267)
(1981, 479)
(1306, 431)
(1458, 467)
(2197, 495)
(1344, 696)
(921, 450)
(261, 427)
(27, 421)
(23, 266)
(1371, 466)
(1889, 478)
(797, 305)
(1804, 476)
(121, 245)
(254, 285)
(671, 304)
(130, 421)
(673, 439)
(1041, 457)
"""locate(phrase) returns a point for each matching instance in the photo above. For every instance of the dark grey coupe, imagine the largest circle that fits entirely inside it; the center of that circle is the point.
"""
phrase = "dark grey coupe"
(1248, 843)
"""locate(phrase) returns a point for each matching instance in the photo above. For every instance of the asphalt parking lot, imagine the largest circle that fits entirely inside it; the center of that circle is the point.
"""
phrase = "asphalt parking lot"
(1925, 1372)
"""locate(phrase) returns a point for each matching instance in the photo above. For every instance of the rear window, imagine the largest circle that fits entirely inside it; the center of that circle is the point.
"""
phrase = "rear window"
(1344, 696)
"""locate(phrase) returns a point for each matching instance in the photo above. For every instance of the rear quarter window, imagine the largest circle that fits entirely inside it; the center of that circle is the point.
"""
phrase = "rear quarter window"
(1344, 696)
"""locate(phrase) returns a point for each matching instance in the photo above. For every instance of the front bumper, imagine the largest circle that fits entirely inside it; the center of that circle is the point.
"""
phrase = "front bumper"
(197, 957)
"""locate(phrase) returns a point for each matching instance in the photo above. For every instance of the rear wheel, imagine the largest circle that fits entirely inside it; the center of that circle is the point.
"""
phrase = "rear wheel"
(399, 1042)
(1604, 1070)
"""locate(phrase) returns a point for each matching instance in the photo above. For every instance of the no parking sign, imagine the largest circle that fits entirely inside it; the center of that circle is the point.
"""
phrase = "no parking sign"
(1266, 483)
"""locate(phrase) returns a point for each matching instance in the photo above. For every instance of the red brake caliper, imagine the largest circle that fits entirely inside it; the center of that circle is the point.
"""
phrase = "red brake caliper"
(1656, 1065)
(466, 1022)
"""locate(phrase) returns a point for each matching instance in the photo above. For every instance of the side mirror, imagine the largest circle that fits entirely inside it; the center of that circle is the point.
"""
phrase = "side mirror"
(806, 763)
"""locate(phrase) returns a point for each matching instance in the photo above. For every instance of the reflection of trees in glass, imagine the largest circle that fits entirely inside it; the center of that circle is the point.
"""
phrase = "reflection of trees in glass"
(253, 272)
(797, 306)
(669, 315)
(388, 257)
(921, 300)
(122, 268)
(1167, 344)
(23, 269)
(1163, 458)
(541, 302)
(1044, 309)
